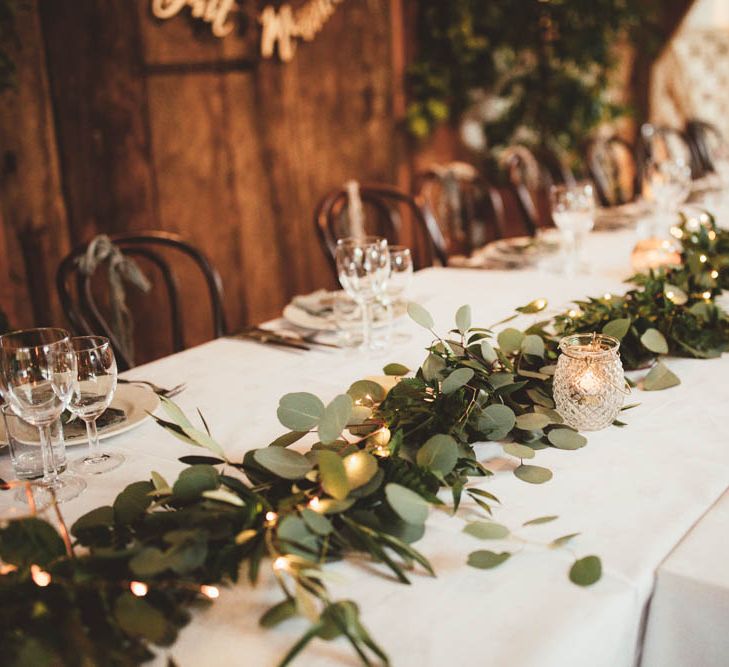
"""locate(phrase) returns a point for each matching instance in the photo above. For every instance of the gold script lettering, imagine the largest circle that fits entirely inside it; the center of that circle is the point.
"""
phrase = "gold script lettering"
(214, 12)
(284, 25)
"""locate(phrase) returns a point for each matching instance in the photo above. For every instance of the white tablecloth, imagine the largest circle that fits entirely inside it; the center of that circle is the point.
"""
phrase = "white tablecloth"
(632, 493)
(689, 613)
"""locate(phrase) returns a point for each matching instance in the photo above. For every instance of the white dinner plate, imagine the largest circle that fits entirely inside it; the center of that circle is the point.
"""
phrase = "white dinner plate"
(136, 401)
(325, 321)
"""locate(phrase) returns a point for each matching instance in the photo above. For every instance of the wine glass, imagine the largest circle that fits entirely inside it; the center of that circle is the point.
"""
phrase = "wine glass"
(92, 393)
(37, 373)
(573, 211)
(668, 182)
(363, 265)
(401, 274)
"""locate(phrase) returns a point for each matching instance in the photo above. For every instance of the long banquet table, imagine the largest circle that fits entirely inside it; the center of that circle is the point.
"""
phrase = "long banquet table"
(633, 494)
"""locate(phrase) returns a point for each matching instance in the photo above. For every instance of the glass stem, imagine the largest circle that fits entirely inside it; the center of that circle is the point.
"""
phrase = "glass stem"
(93, 436)
(50, 472)
(366, 324)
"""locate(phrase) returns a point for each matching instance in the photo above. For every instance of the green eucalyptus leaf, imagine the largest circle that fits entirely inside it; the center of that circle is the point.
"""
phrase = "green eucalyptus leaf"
(617, 328)
(396, 369)
(532, 307)
(496, 421)
(288, 439)
(534, 345)
(586, 571)
(486, 530)
(138, 618)
(316, 522)
(334, 418)
(486, 560)
(660, 377)
(278, 613)
(300, 411)
(540, 520)
(132, 502)
(285, 463)
(675, 294)
(193, 481)
(532, 421)
(533, 474)
(566, 438)
(510, 340)
(333, 475)
(561, 541)
(296, 537)
(501, 379)
(456, 379)
(488, 353)
(420, 315)
(520, 451)
(24, 542)
(366, 390)
(407, 504)
(438, 454)
(463, 319)
(655, 341)
(433, 367)
(360, 467)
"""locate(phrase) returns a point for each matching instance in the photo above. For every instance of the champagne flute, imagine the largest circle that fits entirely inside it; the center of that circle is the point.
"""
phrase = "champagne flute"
(92, 393)
(363, 265)
(37, 373)
(573, 211)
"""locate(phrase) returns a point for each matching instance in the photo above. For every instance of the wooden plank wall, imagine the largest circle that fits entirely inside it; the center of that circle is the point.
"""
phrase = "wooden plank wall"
(160, 125)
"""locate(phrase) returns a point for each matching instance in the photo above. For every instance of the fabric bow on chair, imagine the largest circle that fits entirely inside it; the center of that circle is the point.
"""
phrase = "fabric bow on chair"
(122, 269)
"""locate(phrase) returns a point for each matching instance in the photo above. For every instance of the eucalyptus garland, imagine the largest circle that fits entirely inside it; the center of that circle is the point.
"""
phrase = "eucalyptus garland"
(384, 451)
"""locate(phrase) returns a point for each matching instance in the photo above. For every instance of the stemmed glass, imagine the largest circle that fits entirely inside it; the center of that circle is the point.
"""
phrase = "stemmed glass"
(669, 184)
(573, 211)
(363, 265)
(401, 274)
(37, 373)
(92, 393)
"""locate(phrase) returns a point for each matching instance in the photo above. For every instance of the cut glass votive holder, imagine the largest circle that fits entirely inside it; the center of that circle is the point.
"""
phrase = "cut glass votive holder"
(589, 384)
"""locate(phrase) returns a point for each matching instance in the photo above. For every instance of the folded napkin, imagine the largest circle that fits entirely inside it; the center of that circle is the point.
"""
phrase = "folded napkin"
(74, 427)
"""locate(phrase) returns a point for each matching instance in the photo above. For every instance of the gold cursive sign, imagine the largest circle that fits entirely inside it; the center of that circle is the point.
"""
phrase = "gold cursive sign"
(284, 25)
(214, 12)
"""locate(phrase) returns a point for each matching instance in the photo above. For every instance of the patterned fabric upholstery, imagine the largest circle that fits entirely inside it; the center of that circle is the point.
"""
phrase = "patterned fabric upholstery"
(691, 80)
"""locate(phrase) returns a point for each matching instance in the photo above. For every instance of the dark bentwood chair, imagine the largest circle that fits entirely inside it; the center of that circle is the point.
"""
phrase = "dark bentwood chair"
(382, 205)
(469, 211)
(85, 315)
(614, 170)
(530, 177)
(706, 140)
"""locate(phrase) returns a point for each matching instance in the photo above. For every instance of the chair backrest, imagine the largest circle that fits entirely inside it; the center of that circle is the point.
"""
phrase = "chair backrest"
(707, 141)
(469, 211)
(85, 315)
(530, 180)
(383, 205)
(661, 142)
(614, 170)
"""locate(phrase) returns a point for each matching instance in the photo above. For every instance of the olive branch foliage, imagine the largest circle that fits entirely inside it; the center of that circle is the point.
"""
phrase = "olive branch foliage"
(382, 453)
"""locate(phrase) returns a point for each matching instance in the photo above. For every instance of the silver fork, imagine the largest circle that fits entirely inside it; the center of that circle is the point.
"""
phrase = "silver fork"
(160, 391)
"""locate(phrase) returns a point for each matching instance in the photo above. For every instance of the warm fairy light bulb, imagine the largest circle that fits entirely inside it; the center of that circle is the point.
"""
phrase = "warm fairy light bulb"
(676, 232)
(281, 563)
(540, 303)
(608, 296)
(670, 295)
(711, 234)
(703, 259)
(315, 504)
(574, 313)
(40, 577)
(7, 568)
(706, 295)
(271, 517)
(714, 274)
(211, 592)
(138, 588)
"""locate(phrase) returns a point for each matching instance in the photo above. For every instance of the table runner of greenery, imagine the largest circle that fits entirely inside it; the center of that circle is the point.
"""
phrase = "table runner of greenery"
(137, 568)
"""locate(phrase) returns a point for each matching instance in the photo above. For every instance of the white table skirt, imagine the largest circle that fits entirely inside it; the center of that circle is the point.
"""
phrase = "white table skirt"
(689, 614)
(632, 493)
